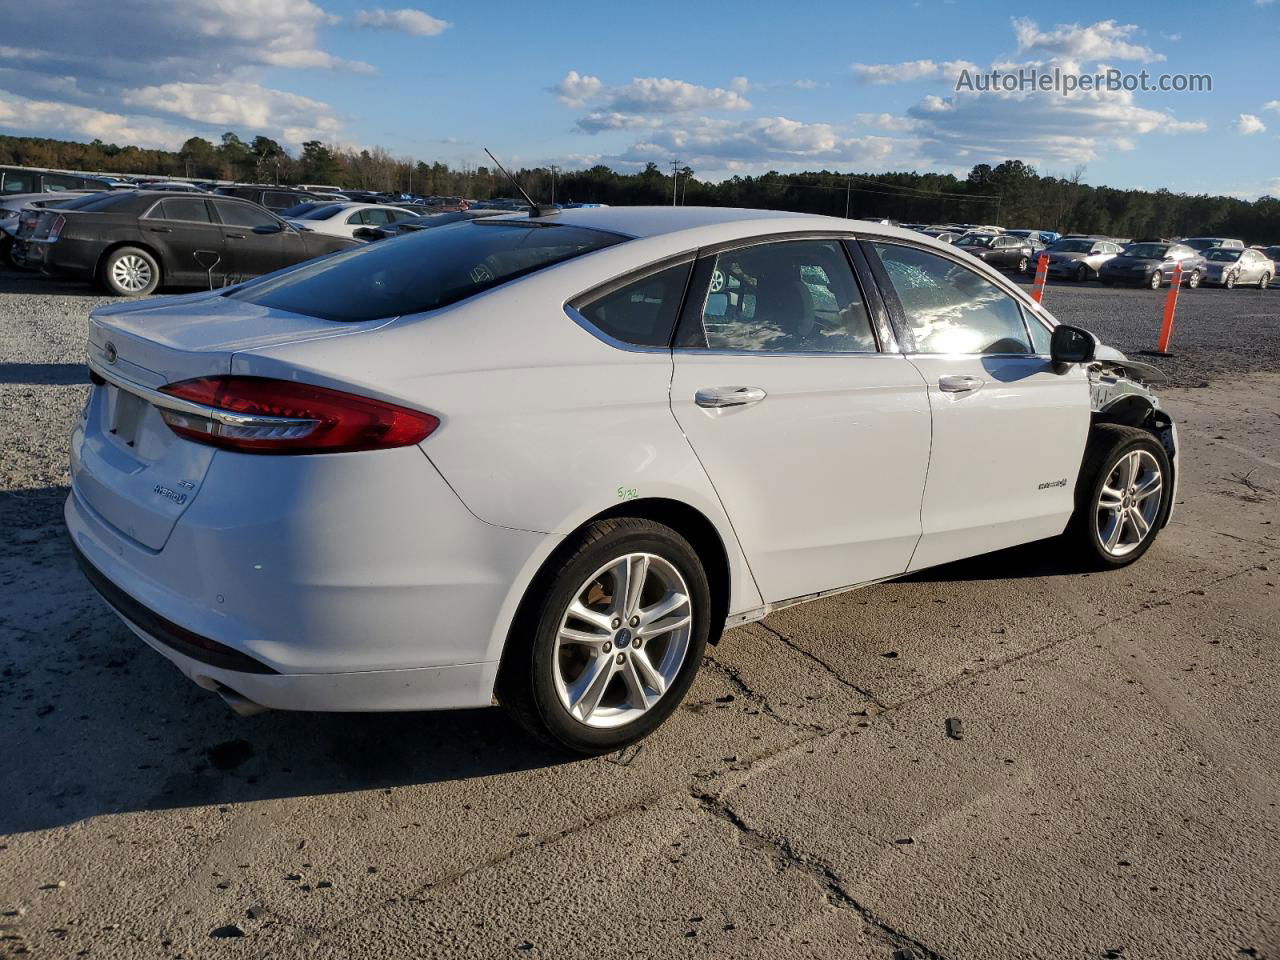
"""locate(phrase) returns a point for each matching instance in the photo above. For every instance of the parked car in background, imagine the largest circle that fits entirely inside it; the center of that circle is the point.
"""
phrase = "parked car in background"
(1229, 267)
(1080, 258)
(344, 219)
(945, 236)
(34, 220)
(1008, 253)
(273, 198)
(131, 242)
(427, 222)
(31, 180)
(1272, 254)
(177, 186)
(1044, 236)
(1153, 264)
(548, 460)
(19, 206)
(1201, 244)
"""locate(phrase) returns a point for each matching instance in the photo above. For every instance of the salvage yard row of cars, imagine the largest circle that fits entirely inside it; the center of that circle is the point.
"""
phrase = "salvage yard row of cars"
(1217, 261)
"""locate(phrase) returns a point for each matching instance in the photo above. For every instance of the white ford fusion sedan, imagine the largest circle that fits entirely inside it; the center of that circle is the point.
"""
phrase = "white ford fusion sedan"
(546, 460)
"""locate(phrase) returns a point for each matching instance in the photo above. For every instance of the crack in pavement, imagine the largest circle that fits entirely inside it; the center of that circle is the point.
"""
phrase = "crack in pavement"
(735, 677)
(787, 641)
(821, 873)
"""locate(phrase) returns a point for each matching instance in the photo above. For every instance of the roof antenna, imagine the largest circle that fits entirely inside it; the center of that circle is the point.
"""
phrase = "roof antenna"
(535, 209)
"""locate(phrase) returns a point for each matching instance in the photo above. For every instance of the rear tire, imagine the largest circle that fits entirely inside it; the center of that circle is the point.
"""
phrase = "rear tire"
(644, 667)
(1156, 280)
(1082, 273)
(1194, 280)
(1115, 521)
(1264, 281)
(1022, 265)
(130, 272)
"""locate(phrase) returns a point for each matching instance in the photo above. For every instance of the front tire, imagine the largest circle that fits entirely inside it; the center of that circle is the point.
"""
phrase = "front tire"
(1023, 264)
(609, 639)
(1122, 496)
(130, 272)
(1082, 273)
(1194, 280)
(1264, 281)
(1156, 280)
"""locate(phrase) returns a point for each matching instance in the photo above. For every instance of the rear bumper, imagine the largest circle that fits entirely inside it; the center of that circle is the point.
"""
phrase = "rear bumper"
(349, 582)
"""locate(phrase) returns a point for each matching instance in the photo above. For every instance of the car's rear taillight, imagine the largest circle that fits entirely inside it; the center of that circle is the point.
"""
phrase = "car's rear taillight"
(260, 415)
(55, 228)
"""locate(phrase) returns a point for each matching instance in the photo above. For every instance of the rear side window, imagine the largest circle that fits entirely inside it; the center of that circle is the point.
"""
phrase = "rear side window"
(193, 210)
(643, 312)
(278, 201)
(423, 270)
(18, 182)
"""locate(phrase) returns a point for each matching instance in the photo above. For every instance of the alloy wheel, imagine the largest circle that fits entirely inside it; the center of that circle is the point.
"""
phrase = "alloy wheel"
(131, 272)
(1194, 280)
(622, 640)
(1129, 503)
(1230, 281)
(1155, 280)
(1264, 282)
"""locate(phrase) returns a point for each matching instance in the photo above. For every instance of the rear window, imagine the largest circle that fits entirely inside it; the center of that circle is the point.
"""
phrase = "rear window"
(423, 271)
(100, 201)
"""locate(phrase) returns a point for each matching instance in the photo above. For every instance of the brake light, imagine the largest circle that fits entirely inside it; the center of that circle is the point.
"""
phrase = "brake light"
(260, 415)
(55, 228)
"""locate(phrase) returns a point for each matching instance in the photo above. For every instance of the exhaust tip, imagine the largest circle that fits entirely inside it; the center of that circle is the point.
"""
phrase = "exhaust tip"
(241, 704)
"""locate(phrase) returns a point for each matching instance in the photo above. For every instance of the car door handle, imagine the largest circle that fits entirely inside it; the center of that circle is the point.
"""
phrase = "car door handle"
(717, 398)
(235, 236)
(959, 384)
(161, 229)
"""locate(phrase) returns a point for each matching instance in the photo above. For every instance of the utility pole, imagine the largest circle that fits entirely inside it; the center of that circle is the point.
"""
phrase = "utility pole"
(554, 171)
(848, 182)
(675, 179)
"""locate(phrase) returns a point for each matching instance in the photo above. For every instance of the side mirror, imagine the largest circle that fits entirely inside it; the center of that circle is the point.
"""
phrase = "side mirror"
(268, 228)
(1071, 345)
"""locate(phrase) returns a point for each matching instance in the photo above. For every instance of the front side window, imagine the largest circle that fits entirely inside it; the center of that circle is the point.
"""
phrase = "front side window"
(793, 297)
(643, 312)
(242, 214)
(422, 271)
(949, 308)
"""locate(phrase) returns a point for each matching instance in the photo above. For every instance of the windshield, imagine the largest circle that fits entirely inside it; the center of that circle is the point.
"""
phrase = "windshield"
(1147, 251)
(974, 240)
(422, 271)
(292, 213)
(1202, 243)
(1072, 246)
(322, 212)
(1227, 256)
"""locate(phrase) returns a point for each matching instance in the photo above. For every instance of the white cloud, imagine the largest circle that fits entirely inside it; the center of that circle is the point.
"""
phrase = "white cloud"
(881, 74)
(63, 119)
(650, 96)
(887, 121)
(576, 89)
(1105, 39)
(1271, 105)
(152, 68)
(247, 107)
(417, 23)
(598, 121)
(1248, 124)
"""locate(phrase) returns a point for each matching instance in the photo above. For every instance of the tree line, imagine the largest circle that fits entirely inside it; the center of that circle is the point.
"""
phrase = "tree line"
(1011, 194)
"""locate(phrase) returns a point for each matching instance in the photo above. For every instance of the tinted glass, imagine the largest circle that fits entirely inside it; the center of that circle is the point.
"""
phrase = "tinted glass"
(183, 209)
(1229, 256)
(100, 201)
(242, 214)
(949, 308)
(1040, 335)
(18, 182)
(643, 312)
(293, 213)
(1071, 246)
(423, 270)
(974, 240)
(275, 200)
(796, 297)
(310, 212)
(1146, 251)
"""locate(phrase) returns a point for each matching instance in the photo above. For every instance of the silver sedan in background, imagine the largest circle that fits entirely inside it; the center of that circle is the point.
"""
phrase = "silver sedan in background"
(1227, 267)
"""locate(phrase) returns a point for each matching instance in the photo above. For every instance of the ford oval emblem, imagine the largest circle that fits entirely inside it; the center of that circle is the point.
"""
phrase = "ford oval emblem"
(110, 352)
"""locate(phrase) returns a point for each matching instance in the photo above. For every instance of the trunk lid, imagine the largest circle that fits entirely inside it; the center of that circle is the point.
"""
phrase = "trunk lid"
(126, 464)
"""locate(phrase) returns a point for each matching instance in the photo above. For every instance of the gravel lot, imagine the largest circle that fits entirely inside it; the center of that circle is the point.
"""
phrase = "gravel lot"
(1114, 793)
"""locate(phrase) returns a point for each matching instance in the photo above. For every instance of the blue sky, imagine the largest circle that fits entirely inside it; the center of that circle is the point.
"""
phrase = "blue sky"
(727, 88)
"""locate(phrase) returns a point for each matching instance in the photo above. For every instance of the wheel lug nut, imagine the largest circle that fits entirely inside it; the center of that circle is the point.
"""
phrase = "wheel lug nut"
(636, 643)
(622, 658)
(635, 621)
(608, 646)
(616, 623)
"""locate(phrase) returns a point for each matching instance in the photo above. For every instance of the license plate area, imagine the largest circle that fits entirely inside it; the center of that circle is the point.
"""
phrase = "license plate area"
(125, 415)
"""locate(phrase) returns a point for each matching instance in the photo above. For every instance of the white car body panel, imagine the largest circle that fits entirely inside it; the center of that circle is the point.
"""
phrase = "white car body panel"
(1005, 456)
(337, 225)
(390, 579)
(823, 477)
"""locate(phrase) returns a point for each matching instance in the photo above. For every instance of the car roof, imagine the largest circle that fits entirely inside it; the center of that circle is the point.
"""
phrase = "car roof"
(734, 222)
